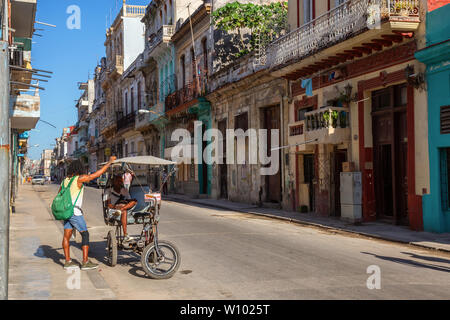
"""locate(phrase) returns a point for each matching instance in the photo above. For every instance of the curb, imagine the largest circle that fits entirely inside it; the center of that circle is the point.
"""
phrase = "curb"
(306, 223)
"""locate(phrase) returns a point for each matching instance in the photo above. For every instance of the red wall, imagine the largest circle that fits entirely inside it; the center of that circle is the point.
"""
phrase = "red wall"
(434, 4)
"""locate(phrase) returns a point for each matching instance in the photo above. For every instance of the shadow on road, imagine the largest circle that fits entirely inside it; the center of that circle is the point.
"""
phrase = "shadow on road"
(434, 259)
(412, 262)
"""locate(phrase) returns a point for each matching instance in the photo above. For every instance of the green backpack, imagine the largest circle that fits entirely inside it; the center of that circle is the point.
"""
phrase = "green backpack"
(62, 205)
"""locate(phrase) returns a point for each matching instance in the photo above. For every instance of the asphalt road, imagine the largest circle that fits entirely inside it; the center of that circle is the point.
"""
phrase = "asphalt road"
(230, 255)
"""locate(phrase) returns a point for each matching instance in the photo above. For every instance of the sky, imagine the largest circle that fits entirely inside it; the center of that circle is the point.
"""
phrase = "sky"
(72, 55)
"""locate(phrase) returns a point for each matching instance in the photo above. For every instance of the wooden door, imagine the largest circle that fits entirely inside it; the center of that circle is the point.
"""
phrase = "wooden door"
(273, 182)
(309, 174)
(401, 178)
(340, 156)
(223, 169)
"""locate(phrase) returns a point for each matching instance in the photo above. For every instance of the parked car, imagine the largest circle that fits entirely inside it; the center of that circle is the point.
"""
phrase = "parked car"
(38, 179)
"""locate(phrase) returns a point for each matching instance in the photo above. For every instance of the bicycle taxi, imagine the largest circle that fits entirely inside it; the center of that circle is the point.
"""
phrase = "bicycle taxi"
(160, 259)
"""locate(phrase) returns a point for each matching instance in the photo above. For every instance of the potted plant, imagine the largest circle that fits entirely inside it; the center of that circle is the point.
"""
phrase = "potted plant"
(334, 118)
(326, 118)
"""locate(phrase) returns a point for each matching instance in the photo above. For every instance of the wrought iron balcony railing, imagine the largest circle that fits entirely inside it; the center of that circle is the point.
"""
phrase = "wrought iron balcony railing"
(189, 92)
(336, 25)
(126, 121)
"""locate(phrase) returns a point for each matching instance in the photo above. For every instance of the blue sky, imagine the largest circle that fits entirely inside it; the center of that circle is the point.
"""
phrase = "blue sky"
(71, 55)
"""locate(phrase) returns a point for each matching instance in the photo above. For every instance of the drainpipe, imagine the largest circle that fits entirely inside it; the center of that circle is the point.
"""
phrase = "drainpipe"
(4, 157)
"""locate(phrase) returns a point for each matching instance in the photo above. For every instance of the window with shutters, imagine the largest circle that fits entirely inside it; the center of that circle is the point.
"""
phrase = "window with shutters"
(445, 119)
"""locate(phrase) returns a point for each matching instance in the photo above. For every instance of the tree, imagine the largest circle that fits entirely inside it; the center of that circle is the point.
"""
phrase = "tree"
(255, 25)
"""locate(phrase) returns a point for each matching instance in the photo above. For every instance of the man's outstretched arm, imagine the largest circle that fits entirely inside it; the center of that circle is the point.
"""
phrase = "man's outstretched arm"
(86, 178)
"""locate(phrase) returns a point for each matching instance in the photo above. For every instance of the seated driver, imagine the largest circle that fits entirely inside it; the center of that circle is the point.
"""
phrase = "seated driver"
(119, 198)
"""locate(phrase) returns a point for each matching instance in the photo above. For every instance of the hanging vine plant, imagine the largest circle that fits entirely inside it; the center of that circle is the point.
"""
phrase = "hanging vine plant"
(255, 25)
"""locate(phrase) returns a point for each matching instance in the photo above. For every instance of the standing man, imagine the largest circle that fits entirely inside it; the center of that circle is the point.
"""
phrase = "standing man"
(76, 171)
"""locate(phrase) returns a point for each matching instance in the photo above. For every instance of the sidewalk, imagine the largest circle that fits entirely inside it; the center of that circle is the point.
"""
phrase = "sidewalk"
(36, 256)
(377, 230)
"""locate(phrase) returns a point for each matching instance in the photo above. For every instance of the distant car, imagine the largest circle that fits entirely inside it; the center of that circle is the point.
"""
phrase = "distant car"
(93, 183)
(38, 179)
(102, 180)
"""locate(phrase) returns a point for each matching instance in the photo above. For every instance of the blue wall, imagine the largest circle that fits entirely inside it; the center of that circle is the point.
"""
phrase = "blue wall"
(437, 59)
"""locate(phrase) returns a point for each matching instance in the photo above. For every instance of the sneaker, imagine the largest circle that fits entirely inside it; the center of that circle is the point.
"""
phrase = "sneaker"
(127, 238)
(88, 265)
(70, 265)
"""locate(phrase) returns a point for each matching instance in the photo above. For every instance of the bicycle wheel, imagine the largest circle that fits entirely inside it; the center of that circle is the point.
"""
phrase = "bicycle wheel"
(112, 248)
(164, 266)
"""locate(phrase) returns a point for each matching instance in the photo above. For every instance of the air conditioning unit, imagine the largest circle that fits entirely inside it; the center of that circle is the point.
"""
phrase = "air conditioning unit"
(351, 196)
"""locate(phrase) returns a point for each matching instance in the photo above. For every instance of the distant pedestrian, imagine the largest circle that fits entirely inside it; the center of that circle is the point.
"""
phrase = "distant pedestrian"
(77, 221)
(127, 179)
(164, 178)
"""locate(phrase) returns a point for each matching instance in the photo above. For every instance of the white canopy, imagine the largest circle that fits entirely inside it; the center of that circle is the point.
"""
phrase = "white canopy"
(145, 160)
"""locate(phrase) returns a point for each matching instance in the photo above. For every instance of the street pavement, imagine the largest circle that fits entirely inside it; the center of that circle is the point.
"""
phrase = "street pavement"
(224, 255)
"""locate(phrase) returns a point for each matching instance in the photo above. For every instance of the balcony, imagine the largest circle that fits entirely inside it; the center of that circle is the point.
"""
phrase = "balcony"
(185, 96)
(153, 48)
(25, 111)
(23, 14)
(144, 120)
(329, 125)
(350, 30)
(126, 121)
(115, 66)
(134, 11)
(107, 125)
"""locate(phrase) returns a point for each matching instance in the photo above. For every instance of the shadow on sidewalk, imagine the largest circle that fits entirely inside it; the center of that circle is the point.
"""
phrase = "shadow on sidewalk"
(97, 250)
(411, 262)
(45, 251)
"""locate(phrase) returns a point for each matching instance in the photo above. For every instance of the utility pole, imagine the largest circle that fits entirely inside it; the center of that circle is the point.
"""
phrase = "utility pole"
(4, 153)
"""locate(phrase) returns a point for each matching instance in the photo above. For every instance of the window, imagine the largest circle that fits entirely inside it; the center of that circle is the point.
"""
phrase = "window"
(165, 14)
(183, 71)
(391, 97)
(139, 98)
(205, 56)
(241, 121)
(126, 103)
(445, 119)
(300, 114)
(445, 183)
(132, 100)
(193, 63)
